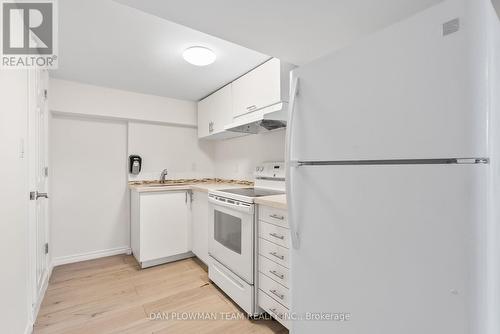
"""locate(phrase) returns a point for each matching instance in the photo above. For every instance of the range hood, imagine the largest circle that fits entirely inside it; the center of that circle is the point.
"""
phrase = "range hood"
(265, 119)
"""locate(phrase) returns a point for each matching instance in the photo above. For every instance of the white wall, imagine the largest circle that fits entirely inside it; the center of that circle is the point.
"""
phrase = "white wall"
(172, 147)
(76, 98)
(92, 133)
(236, 158)
(15, 297)
(90, 204)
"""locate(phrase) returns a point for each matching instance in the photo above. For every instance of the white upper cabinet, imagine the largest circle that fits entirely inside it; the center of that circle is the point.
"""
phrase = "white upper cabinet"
(262, 87)
(214, 112)
(266, 85)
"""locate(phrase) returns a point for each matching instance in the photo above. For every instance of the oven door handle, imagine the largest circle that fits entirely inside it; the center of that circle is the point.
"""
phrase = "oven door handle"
(245, 209)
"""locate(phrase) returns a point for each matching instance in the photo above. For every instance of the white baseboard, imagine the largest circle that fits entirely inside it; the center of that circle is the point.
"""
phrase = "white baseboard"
(89, 255)
(29, 328)
(45, 285)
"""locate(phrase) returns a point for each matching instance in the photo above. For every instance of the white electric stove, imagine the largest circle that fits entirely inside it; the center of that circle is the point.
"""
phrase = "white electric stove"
(232, 237)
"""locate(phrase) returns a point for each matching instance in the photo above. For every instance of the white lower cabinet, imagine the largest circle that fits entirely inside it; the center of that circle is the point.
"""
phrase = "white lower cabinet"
(275, 309)
(160, 226)
(274, 265)
(199, 212)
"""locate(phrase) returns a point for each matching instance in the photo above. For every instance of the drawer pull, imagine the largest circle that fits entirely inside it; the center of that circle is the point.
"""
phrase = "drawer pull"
(251, 107)
(275, 216)
(277, 294)
(281, 257)
(277, 236)
(275, 312)
(275, 273)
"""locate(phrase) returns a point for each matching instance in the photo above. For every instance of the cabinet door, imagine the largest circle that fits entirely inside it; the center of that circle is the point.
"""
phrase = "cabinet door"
(165, 225)
(204, 117)
(214, 112)
(200, 225)
(223, 108)
(257, 89)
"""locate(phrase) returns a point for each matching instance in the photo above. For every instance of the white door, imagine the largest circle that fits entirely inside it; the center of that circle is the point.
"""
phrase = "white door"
(38, 174)
(400, 248)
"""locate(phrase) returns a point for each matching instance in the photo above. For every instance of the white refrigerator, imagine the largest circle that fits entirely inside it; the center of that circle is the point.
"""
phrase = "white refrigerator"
(392, 164)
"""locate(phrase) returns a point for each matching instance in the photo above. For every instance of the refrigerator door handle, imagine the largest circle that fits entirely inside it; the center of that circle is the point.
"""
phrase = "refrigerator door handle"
(289, 165)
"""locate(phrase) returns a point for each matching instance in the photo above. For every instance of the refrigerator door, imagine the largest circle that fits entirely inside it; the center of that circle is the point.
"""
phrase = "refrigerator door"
(415, 90)
(399, 248)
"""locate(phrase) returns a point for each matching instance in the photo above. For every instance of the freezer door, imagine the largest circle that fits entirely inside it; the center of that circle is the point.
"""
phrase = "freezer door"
(406, 92)
(399, 248)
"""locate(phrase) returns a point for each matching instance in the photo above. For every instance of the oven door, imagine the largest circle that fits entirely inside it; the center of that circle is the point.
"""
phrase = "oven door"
(231, 231)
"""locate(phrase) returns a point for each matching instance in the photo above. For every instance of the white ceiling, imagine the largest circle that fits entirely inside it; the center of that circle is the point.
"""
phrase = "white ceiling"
(102, 42)
(297, 31)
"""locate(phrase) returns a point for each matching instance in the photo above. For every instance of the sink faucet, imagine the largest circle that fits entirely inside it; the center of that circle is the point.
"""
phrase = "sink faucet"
(163, 174)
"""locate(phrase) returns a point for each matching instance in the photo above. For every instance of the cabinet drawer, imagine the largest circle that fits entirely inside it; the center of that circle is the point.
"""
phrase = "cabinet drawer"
(275, 309)
(274, 252)
(277, 272)
(273, 216)
(275, 234)
(275, 290)
(236, 288)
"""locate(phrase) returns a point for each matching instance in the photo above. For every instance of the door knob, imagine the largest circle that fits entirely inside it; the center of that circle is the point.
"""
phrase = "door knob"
(44, 195)
(34, 195)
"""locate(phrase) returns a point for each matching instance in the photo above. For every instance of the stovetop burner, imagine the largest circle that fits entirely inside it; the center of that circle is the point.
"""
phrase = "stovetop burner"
(252, 192)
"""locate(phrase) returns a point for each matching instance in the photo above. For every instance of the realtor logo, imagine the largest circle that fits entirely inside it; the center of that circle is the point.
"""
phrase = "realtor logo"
(28, 34)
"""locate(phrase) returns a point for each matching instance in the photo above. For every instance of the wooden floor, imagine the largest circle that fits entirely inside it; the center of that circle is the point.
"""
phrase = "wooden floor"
(111, 295)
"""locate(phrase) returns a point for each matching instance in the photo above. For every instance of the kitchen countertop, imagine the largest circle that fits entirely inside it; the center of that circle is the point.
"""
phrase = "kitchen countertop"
(193, 184)
(274, 201)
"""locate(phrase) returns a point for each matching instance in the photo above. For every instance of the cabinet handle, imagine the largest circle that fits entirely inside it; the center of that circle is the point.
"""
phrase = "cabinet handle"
(281, 257)
(275, 312)
(275, 273)
(277, 236)
(252, 107)
(277, 294)
(275, 216)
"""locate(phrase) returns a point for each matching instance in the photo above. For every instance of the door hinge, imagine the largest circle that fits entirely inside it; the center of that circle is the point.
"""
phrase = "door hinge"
(46, 171)
(47, 248)
(45, 93)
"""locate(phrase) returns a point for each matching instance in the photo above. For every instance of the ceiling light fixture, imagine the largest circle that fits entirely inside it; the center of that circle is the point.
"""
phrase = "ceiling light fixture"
(199, 56)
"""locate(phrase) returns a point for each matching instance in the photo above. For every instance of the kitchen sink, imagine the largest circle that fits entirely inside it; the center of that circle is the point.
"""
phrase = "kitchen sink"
(164, 185)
